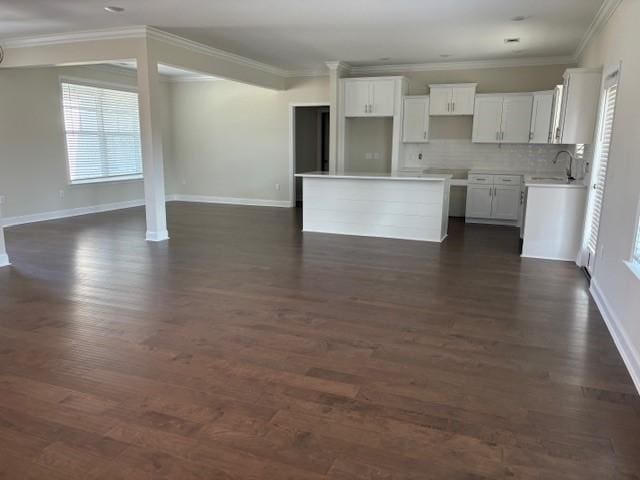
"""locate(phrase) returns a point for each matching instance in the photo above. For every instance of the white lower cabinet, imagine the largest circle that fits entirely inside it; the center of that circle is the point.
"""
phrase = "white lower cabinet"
(494, 198)
(479, 201)
(505, 204)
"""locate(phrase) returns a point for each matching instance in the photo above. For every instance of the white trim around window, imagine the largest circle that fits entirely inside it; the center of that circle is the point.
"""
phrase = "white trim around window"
(101, 127)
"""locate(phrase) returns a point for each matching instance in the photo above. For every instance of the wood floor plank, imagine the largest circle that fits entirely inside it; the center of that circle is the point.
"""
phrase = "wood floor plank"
(245, 349)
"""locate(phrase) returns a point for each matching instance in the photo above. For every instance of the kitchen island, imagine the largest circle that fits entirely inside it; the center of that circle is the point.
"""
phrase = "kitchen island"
(404, 206)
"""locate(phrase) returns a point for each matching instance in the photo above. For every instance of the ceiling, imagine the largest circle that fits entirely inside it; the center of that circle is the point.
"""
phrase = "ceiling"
(303, 34)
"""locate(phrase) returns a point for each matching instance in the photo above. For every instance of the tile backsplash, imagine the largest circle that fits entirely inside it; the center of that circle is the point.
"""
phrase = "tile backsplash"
(463, 154)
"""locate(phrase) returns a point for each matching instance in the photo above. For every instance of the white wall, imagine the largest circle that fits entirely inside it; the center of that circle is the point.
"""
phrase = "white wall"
(232, 140)
(618, 41)
(33, 161)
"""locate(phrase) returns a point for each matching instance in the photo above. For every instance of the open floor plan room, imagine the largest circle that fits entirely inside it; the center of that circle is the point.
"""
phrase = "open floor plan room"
(268, 240)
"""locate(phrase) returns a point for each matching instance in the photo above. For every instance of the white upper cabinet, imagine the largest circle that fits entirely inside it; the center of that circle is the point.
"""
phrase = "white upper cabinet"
(356, 98)
(415, 119)
(579, 105)
(463, 99)
(383, 98)
(487, 120)
(369, 97)
(516, 118)
(541, 117)
(502, 118)
(452, 99)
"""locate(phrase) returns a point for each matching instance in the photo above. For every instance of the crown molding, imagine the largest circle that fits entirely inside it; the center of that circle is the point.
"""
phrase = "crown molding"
(462, 65)
(81, 36)
(175, 40)
(602, 17)
(190, 78)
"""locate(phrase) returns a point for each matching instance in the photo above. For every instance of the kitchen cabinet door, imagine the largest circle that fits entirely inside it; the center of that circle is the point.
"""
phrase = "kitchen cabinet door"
(516, 119)
(541, 117)
(415, 120)
(506, 202)
(357, 98)
(479, 201)
(463, 100)
(440, 101)
(383, 96)
(487, 119)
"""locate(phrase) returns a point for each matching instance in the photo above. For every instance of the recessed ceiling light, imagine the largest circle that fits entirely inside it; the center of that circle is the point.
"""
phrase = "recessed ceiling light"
(445, 55)
(113, 9)
(518, 18)
(384, 59)
(512, 40)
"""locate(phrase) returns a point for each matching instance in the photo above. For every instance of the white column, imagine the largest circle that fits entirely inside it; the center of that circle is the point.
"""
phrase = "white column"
(336, 71)
(152, 155)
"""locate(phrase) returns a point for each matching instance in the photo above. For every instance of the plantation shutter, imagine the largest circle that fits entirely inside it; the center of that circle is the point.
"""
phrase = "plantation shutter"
(600, 163)
(102, 128)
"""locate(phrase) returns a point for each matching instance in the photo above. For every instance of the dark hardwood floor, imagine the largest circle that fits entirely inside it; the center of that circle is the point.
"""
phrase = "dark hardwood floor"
(244, 349)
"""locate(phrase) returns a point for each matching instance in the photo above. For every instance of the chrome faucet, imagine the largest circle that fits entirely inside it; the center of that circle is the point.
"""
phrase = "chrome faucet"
(570, 176)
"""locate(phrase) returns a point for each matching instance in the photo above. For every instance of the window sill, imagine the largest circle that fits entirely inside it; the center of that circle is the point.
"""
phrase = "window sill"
(90, 181)
(634, 267)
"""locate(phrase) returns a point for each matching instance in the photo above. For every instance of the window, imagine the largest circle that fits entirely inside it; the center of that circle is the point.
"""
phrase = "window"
(102, 128)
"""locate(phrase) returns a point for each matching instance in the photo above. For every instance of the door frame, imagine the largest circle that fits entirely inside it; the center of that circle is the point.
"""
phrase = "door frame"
(292, 144)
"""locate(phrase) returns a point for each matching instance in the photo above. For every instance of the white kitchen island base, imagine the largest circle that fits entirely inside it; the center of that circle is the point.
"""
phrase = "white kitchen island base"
(374, 205)
(554, 218)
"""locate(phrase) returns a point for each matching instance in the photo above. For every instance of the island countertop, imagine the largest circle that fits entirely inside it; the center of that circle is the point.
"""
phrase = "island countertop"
(426, 177)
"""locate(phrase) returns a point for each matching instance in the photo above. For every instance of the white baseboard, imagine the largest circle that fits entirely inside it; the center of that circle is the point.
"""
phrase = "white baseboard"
(628, 352)
(259, 202)
(539, 257)
(107, 207)
(4, 260)
(71, 212)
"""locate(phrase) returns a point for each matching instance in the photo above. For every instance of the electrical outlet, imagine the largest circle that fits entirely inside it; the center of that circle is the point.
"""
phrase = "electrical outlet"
(2, 199)
(61, 193)
(376, 156)
(420, 156)
(184, 181)
(368, 156)
(277, 186)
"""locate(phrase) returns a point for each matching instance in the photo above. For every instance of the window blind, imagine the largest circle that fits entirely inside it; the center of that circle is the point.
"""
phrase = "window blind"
(102, 128)
(601, 161)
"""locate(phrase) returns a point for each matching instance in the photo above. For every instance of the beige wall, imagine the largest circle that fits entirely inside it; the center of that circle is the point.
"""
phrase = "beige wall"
(232, 140)
(618, 41)
(491, 80)
(33, 162)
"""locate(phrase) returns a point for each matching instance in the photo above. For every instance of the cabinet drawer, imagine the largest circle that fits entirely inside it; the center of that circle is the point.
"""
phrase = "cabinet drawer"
(507, 179)
(481, 179)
